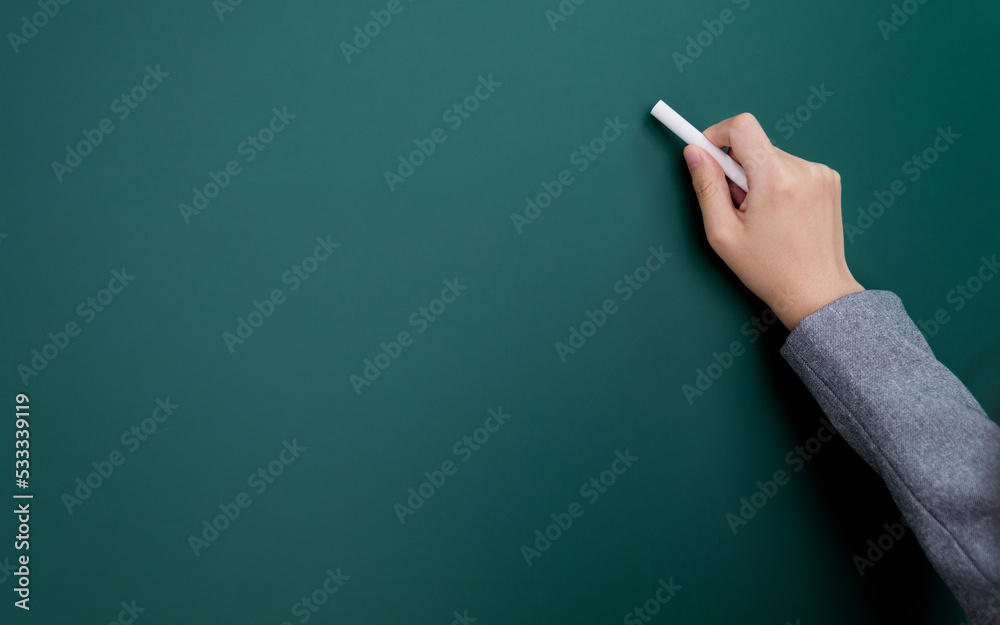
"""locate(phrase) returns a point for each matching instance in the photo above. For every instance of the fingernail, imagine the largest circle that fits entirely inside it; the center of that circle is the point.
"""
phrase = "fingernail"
(693, 157)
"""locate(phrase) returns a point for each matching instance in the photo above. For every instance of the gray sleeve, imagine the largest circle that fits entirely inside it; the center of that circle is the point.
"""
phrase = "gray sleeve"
(917, 425)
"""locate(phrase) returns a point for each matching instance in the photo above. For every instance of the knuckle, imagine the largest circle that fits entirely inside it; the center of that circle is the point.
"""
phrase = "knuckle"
(746, 121)
(814, 174)
(782, 180)
(821, 175)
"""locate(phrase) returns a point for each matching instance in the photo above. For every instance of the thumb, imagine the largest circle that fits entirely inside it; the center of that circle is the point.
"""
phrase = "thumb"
(713, 194)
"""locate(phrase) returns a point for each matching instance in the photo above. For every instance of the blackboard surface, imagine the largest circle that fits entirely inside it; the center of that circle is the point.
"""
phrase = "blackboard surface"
(402, 312)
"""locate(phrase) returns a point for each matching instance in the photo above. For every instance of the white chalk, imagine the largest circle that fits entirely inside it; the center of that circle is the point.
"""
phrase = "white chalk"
(692, 136)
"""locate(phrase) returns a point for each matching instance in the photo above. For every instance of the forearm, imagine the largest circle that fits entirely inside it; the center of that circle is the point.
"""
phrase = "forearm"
(917, 425)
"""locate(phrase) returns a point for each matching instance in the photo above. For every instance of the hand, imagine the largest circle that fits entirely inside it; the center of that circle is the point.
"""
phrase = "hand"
(786, 239)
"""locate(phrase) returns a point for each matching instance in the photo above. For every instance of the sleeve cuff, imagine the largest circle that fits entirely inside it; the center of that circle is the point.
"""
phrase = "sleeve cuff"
(857, 317)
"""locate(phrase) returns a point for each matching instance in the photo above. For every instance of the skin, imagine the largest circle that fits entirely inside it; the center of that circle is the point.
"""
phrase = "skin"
(784, 239)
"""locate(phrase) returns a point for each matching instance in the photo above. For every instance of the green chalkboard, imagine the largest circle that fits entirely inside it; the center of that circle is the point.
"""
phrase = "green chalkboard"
(402, 311)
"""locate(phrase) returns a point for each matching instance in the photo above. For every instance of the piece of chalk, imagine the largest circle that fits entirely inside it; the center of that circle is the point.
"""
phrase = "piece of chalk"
(691, 135)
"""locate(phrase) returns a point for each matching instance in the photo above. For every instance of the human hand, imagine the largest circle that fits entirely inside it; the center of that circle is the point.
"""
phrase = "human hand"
(785, 242)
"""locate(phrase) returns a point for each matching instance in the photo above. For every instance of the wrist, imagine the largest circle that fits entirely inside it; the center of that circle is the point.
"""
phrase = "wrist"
(792, 311)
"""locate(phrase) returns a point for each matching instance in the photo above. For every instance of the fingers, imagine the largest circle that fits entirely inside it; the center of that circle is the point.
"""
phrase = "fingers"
(745, 136)
(712, 188)
(738, 194)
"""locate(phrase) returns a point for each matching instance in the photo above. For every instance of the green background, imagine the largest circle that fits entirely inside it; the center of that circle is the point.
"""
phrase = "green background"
(324, 175)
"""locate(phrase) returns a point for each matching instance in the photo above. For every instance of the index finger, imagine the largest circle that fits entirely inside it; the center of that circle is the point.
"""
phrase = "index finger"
(744, 134)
